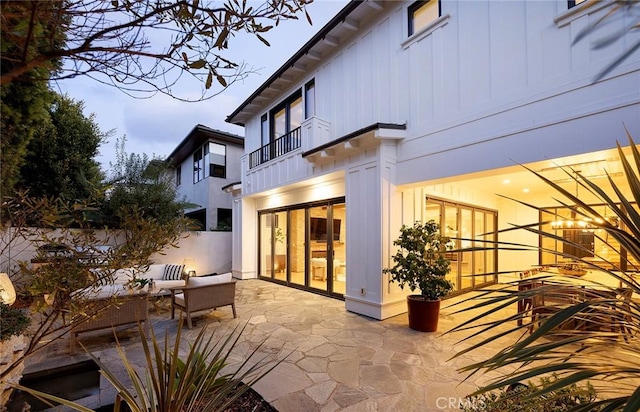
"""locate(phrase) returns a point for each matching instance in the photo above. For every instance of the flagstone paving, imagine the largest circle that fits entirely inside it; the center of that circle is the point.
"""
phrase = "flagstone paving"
(335, 360)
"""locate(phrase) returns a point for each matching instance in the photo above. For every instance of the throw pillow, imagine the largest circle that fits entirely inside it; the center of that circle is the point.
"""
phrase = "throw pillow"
(173, 272)
(101, 278)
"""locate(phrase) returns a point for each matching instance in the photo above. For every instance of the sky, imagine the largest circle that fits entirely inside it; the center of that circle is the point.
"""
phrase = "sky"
(155, 126)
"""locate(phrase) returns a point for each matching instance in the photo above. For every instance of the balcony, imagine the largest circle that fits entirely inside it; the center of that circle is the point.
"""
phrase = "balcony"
(277, 148)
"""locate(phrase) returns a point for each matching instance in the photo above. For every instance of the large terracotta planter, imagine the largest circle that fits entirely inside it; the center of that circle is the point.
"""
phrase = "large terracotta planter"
(423, 314)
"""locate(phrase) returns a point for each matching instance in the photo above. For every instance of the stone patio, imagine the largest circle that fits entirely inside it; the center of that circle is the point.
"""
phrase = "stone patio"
(337, 360)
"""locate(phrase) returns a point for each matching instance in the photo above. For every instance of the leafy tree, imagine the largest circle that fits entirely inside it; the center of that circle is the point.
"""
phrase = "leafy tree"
(136, 46)
(26, 98)
(142, 185)
(23, 111)
(60, 158)
(71, 277)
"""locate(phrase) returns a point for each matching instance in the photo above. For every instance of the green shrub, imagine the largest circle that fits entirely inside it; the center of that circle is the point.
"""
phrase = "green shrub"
(12, 322)
(523, 398)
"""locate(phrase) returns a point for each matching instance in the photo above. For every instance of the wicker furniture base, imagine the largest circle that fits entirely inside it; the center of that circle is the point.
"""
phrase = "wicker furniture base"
(199, 298)
(126, 310)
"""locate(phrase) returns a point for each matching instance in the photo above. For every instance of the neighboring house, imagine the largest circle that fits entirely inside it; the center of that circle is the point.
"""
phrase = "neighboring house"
(403, 111)
(205, 162)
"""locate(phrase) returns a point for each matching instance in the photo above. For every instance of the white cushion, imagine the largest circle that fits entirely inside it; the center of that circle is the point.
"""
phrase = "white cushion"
(180, 299)
(210, 280)
(161, 284)
(102, 292)
(318, 262)
(154, 272)
(122, 276)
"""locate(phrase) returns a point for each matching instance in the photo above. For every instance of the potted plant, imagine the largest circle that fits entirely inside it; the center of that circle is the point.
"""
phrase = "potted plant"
(421, 263)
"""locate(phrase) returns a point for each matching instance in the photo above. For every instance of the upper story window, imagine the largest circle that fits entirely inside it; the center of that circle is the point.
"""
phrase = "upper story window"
(287, 116)
(210, 160)
(310, 99)
(198, 166)
(264, 129)
(178, 175)
(421, 13)
(217, 160)
(573, 3)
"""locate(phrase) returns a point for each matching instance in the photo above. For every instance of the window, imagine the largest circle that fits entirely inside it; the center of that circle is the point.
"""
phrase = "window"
(178, 175)
(198, 166)
(264, 130)
(421, 13)
(224, 220)
(576, 237)
(573, 3)
(310, 99)
(464, 224)
(287, 116)
(217, 157)
(214, 156)
(199, 218)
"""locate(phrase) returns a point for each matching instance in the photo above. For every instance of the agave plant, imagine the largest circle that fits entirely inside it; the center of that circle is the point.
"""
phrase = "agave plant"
(607, 353)
(199, 380)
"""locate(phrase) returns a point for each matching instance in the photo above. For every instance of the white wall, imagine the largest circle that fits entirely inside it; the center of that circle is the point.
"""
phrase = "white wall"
(211, 251)
(492, 83)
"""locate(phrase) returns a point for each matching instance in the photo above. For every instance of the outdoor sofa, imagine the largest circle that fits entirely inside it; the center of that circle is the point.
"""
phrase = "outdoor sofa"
(113, 301)
(108, 313)
(162, 276)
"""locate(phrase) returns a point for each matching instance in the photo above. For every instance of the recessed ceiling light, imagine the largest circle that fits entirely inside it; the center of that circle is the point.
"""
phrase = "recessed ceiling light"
(525, 190)
(506, 181)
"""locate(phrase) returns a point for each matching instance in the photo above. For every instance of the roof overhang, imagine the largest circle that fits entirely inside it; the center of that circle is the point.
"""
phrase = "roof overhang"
(196, 138)
(343, 26)
(352, 141)
(232, 187)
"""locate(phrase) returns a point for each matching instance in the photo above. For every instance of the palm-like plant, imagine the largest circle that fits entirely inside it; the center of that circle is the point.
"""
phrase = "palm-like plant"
(607, 357)
(196, 381)
(200, 379)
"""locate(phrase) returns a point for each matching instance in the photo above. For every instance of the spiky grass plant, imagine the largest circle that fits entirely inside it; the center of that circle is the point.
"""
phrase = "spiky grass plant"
(173, 380)
(607, 352)
(196, 381)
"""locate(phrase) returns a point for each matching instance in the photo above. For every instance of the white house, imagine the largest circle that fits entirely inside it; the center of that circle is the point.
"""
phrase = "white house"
(398, 111)
(205, 162)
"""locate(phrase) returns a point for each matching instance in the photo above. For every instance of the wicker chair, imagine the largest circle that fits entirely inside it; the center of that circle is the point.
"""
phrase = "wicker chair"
(205, 297)
(126, 310)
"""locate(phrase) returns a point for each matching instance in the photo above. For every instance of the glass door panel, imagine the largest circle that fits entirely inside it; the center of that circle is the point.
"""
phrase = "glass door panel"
(466, 258)
(296, 115)
(318, 247)
(339, 249)
(479, 259)
(265, 245)
(297, 245)
(434, 212)
(451, 230)
(280, 246)
(491, 255)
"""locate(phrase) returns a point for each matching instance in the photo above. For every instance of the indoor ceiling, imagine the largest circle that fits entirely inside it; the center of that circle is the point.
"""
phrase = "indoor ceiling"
(520, 183)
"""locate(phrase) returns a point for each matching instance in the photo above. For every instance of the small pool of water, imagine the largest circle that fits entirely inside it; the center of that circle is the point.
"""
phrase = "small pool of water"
(71, 382)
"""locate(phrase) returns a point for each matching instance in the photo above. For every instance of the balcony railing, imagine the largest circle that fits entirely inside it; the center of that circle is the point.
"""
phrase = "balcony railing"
(277, 148)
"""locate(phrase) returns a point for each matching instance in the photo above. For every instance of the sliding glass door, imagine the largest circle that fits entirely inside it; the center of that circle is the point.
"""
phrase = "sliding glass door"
(273, 245)
(305, 246)
(467, 226)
